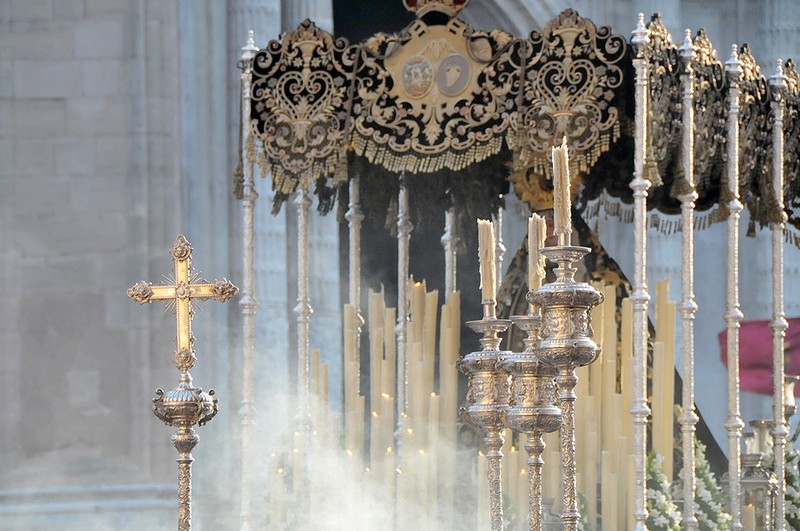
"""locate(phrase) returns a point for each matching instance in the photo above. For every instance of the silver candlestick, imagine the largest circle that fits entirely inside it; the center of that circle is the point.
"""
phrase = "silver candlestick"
(532, 407)
(565, 341)
(487, 399)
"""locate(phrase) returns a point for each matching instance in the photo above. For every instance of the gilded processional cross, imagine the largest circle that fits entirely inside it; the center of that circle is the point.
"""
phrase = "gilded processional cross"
(186, 405)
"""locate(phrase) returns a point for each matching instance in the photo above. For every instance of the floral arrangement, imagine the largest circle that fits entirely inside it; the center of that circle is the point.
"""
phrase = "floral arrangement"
(662, 513)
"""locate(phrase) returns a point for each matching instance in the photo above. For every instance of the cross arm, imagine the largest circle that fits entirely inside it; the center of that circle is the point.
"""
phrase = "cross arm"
(144, 292)
(220, 290)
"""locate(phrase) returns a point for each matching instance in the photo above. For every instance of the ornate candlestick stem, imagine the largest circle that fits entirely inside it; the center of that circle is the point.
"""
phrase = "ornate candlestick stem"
(532, 408)
(487, 398)
(566, 381)
(535, 446)
(494, 442)
(186, 405)
(565, 343)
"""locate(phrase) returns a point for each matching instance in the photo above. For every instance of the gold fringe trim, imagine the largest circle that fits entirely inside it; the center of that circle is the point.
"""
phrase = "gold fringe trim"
(342, 172)
(582, 161)
(250, 145)
(415, 162)
(680, 186)
(791, 235)
(651, 168)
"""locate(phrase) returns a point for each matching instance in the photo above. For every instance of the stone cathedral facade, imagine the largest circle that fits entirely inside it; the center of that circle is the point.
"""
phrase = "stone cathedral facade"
(118, 130)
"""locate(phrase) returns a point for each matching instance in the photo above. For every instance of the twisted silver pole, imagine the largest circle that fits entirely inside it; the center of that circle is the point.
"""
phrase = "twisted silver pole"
(500, 248)
(688, 307)
(185, 441)
(303, 312)
(640, 297)
(449, 242)
(566, 381)
(404, 228)
(248, 302)
(494, 443)
(535, 446)
(733, 314)
(777, 83)
(354, 217)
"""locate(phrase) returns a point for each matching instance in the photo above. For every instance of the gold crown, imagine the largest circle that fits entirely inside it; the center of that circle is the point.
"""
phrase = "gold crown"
(448, 7)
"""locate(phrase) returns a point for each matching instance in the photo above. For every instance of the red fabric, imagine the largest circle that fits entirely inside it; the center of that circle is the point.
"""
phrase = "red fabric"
(755, 354)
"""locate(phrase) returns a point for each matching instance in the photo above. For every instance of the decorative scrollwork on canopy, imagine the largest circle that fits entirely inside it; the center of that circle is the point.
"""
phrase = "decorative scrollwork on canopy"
(300, 107)
(709, 113)
(664, 115)
(432, 97)
(755, 140)
(571, 76)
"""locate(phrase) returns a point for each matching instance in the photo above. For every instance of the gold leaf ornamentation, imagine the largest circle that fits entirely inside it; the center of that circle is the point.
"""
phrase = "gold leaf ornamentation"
(432, 97)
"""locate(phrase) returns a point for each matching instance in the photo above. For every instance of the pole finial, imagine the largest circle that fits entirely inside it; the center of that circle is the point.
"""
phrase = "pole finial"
(249, 49)
(778, 79)
(641, 36)
(733, 66)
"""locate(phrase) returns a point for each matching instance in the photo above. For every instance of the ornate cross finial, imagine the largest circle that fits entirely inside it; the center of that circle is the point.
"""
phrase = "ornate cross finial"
(186, 405)
(181, 290)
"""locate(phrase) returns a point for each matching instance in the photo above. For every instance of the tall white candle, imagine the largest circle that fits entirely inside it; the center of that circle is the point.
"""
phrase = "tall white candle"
(749, 518)
(561, 193)
(486, 257)
(537, 233)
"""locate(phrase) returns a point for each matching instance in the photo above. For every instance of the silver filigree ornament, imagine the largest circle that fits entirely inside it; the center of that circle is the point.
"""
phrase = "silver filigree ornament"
(566, 346)
(532, 408)
(300, 106)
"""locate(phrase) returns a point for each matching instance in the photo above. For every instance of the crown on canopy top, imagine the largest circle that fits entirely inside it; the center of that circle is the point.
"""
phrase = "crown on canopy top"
(448, 7)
